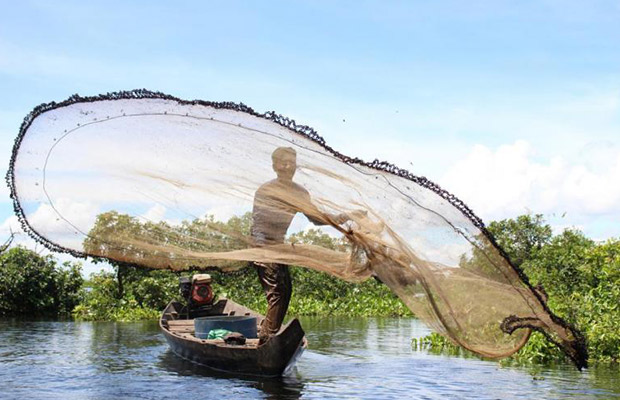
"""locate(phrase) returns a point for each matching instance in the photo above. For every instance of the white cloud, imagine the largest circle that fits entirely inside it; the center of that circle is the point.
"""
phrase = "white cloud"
(63, 224)
(427, 138)
(225, 212)
(76, 216)
(496, 182)
(155, 213)
(448, 254)
(12, 225)
(509, 180)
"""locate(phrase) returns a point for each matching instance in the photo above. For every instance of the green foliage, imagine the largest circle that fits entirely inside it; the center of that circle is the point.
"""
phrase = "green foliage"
(137, 293)
(314, 293)
(145, 293)
(521, 238)
(317, 293)
(34, 285)
(599, 300)
(538, 350)
(434, 343)
(101, 300)
(558, 266)
(155, 290)
(242, 286)
(581, 278)
(125, 238)
(583, 282)
(319, 238)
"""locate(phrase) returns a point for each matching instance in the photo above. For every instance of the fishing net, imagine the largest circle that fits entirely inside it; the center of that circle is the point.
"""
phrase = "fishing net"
(150, 180)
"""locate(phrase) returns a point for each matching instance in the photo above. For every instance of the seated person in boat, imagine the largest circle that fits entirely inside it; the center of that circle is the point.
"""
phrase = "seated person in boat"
(275, 204)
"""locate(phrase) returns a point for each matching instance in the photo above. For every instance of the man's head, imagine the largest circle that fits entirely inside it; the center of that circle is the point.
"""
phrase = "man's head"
(284, 161)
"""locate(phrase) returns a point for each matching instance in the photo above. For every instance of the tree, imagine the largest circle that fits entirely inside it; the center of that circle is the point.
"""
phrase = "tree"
(140, 253)
(559, 264)
(521, 238)
(34, 285)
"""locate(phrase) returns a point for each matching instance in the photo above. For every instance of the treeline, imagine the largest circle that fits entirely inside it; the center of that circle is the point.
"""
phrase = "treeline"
(132, 293)
(33, 285)
(580, 276)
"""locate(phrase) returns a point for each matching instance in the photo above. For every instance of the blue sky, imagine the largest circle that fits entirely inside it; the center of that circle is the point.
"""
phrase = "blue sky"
(514, 106)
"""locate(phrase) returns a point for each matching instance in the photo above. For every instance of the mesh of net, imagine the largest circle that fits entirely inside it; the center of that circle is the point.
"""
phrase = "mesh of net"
(151, 180)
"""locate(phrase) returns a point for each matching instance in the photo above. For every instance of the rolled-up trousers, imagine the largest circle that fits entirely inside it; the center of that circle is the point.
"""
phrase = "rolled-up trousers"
(276, 282)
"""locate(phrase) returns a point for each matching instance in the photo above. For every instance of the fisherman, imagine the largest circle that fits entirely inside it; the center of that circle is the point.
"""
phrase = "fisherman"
(275, 204)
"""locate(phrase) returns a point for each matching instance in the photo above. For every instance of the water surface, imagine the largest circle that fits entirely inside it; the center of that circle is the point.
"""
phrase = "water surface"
(347, 358)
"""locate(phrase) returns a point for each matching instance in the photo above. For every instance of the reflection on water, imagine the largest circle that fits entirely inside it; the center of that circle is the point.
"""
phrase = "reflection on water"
(288, 387)
(354, 358)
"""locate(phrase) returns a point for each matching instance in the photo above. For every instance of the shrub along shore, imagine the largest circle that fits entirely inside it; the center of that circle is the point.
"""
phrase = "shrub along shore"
(581, 277)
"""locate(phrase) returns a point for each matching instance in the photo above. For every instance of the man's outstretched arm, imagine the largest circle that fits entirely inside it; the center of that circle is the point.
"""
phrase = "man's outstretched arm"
(318, 217)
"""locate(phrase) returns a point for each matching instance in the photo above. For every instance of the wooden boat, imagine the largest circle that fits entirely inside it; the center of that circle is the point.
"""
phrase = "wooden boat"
(274, 358)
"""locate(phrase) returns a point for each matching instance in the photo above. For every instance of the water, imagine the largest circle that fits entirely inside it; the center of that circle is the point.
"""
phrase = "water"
(347, 358)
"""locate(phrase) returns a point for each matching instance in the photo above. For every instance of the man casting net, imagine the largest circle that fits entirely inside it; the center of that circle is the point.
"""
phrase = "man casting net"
(119, 176)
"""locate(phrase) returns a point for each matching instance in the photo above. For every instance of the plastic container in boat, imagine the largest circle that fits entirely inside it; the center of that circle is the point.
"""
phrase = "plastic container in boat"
(243, 324)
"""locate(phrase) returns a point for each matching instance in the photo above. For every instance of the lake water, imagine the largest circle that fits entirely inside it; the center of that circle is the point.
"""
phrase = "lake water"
(366, 358)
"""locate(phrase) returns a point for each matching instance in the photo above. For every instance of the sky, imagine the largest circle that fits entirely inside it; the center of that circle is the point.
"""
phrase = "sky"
(513, 106)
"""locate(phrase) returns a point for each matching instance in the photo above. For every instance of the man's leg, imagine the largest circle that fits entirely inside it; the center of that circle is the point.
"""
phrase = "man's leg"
(276, 282)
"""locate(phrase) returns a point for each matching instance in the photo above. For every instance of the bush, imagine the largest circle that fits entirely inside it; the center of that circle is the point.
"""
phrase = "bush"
(127, 295)
(582, 279)
(34, 285)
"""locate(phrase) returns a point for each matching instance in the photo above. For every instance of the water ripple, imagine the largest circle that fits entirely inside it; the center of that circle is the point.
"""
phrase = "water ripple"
(347, 358)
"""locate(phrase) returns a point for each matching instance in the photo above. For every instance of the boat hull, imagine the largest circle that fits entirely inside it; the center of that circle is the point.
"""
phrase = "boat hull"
(273, 358)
